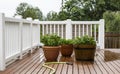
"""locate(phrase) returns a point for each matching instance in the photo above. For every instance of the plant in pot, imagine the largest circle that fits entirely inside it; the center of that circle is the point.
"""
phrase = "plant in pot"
(66, 47)
(84, 48)
(51, 46)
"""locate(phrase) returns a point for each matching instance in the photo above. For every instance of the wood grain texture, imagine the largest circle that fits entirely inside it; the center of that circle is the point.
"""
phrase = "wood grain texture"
(32, 64)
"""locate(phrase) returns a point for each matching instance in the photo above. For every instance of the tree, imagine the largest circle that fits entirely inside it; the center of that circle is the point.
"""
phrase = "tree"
(112, 21)
(21, 8)
(89, 9)
(52, 16)
(26, 10)
(71, 10)
(63, 15)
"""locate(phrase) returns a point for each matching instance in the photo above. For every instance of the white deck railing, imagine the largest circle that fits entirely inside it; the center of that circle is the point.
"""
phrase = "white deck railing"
(71, 29)
(19, 35)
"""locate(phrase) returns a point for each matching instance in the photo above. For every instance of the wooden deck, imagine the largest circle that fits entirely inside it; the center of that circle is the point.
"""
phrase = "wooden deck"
(32, 64)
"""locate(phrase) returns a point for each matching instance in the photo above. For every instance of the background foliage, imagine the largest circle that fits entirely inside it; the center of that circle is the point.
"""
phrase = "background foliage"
(26, 10)
(112, 21)
(78, 10)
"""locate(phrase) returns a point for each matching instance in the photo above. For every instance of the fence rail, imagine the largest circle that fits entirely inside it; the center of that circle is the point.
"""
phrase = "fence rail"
(21, 35)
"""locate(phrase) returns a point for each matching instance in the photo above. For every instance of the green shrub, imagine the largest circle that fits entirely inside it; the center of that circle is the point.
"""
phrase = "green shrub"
(65, 42)
(85, 40)
(51, 40)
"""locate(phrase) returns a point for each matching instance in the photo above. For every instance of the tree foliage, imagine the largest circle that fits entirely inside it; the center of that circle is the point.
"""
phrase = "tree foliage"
(88, 9)
(26, 10)
(71, 10)
(52, 16)
(112, 21)
(62, 15)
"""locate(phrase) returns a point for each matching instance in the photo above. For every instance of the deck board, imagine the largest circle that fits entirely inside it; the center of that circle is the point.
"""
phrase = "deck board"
(75, 68)
(32, 64)
(91, 68)
(70, 69)
(86, 68)
(80, 68)
(110, 64)
(59, 69)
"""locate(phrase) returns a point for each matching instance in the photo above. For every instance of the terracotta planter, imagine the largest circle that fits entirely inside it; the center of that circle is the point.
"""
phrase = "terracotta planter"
(84, 52)
(66, 50)
(51, 52)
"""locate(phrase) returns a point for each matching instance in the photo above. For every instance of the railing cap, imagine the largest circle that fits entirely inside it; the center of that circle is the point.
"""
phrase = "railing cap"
(28, 18)
(18, 16)
(36, 19)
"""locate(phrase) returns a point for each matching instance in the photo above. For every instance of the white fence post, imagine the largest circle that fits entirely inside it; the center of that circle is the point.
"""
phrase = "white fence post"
(38, 32)
(20, 35)
(101, 34)
(2, 44)
(21, 39)
(38, 25)
(31, 33)
(68, 29)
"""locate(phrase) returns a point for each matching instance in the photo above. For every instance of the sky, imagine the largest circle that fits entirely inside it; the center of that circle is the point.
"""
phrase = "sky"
(8, 7)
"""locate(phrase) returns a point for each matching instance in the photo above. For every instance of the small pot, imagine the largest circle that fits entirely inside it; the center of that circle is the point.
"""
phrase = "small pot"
(67, 50)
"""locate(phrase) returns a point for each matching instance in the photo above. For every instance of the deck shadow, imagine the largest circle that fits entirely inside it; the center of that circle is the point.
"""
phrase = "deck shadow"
(111, 55)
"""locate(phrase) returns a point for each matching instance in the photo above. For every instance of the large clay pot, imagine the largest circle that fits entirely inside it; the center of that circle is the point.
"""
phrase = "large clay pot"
(67, 50)
(51, 52)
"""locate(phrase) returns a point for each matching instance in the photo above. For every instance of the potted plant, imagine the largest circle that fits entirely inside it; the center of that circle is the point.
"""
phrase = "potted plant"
(84, 48)
(66, 47)
(51, 46)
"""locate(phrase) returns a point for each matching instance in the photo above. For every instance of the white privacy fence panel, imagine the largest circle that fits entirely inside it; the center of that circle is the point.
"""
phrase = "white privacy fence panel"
(17, 36)
(26, 36)
(12, 46)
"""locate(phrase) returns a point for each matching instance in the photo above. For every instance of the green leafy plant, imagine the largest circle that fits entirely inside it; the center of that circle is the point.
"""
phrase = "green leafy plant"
(65, 42)
(50, 40)
(85, 40)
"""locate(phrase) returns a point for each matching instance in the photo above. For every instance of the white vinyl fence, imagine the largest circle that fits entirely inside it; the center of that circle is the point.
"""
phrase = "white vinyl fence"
(18, 36)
